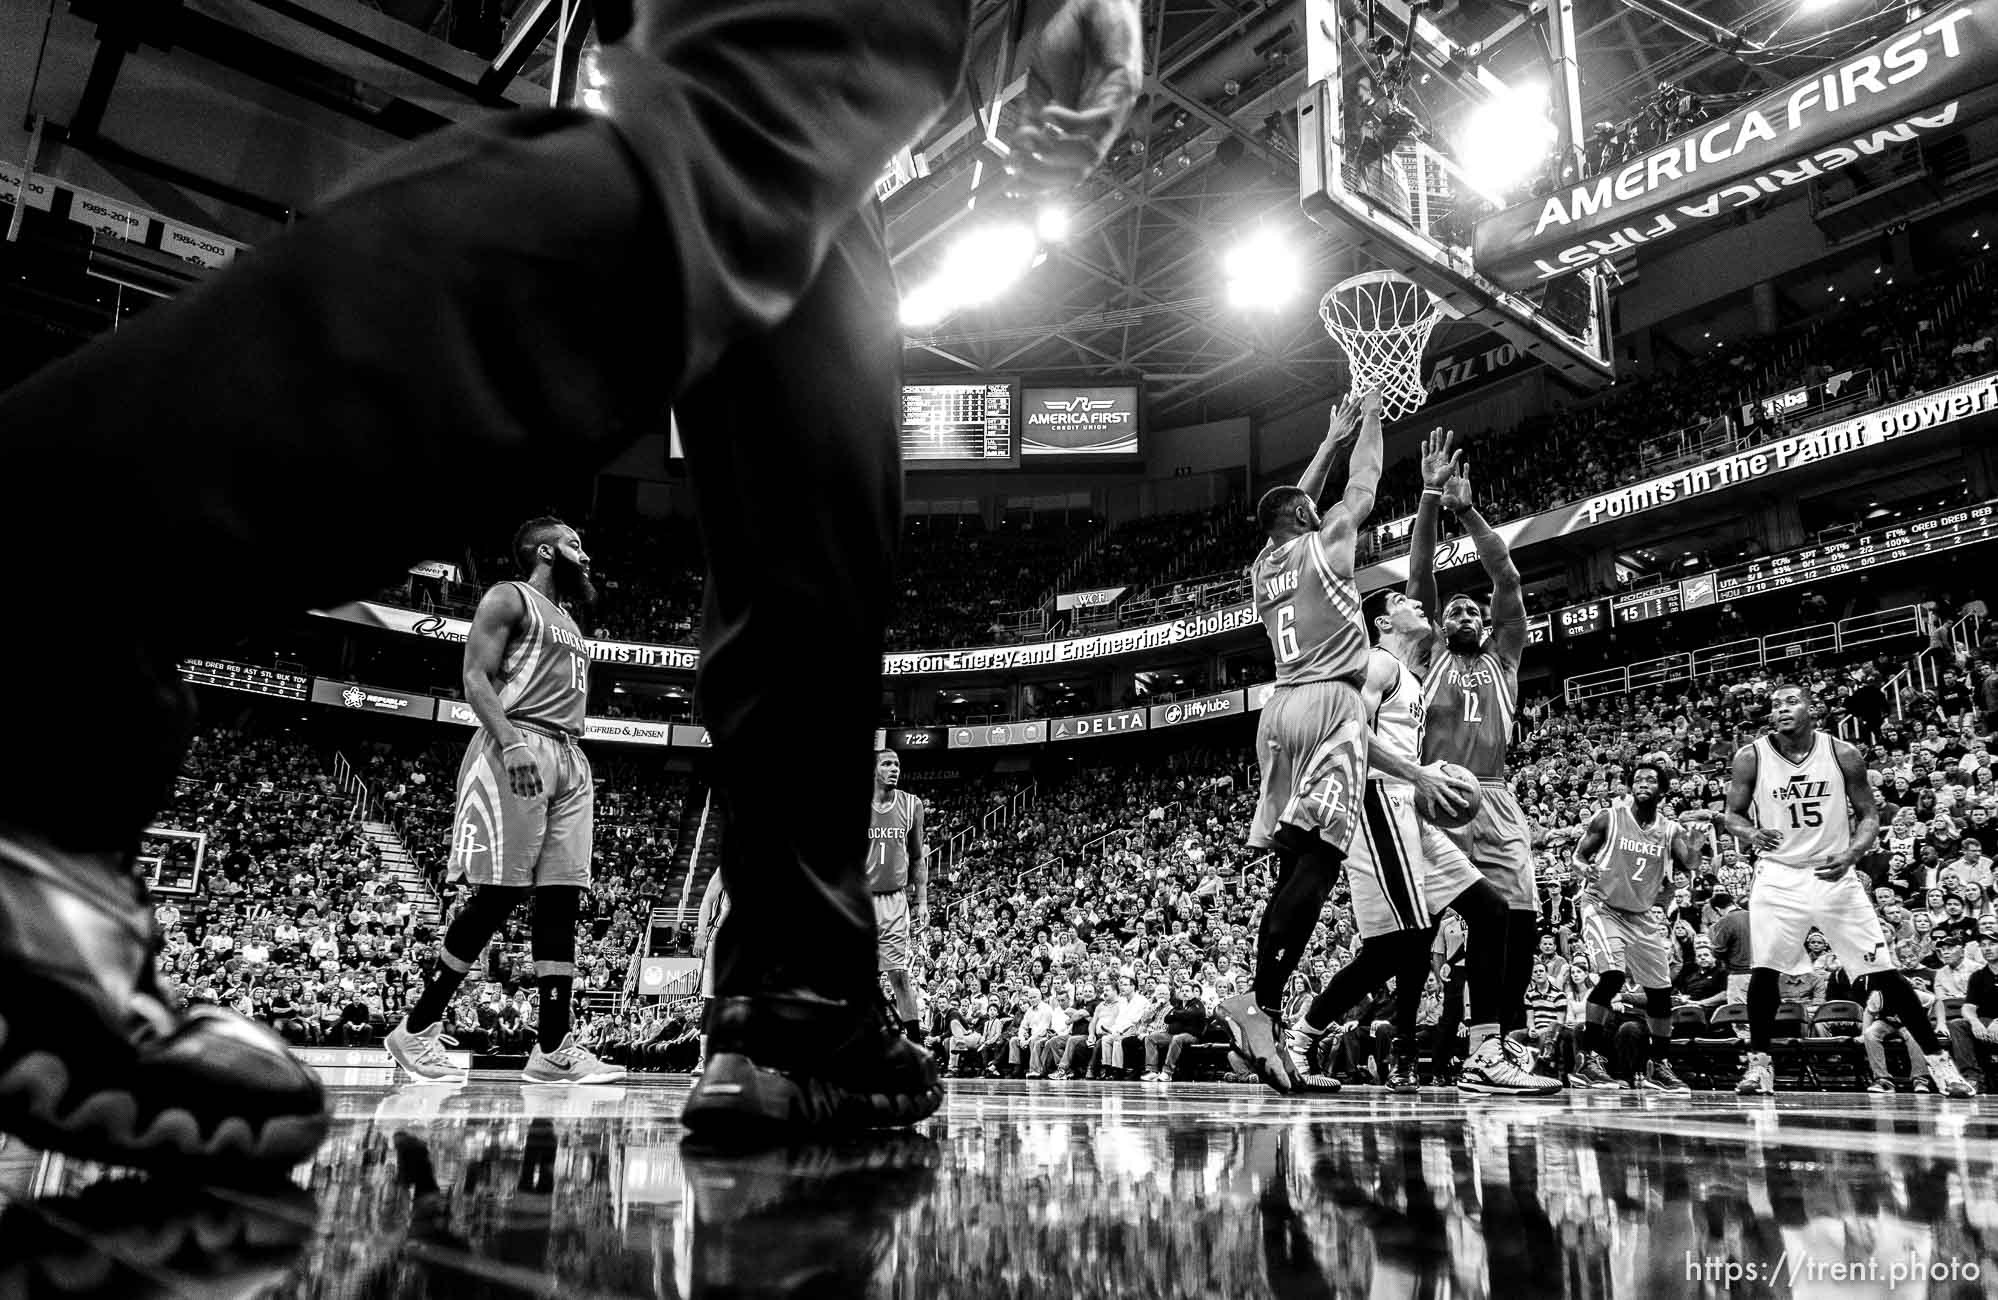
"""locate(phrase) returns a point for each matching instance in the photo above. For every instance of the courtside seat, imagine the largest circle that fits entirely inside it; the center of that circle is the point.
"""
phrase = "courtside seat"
(1832, 1052)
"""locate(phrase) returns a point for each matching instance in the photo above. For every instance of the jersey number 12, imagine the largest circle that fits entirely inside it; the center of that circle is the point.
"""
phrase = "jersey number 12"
(1471, 713)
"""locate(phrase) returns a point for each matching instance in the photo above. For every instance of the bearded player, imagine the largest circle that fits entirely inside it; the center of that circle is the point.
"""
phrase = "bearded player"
(1625, 860)
(526, 805)
(1801, 799)
(1312, 740)
(1470, 689)
(1403, 872)
(898, 875)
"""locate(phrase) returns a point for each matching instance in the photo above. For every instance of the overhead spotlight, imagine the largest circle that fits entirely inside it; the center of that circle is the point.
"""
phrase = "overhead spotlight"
(924, 306)
(1507, 139)
(1051, 223)
(986, 261)
(1262, 271)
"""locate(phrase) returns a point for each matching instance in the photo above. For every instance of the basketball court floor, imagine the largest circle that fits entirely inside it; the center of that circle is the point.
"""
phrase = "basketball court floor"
(1076, 1190)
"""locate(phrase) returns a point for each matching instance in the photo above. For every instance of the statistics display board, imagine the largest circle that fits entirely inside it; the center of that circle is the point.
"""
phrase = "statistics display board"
(961, 426)
(1964, 526)
(232, 676)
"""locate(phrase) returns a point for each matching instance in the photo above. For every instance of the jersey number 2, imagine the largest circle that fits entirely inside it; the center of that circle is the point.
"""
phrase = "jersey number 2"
(1287, 647)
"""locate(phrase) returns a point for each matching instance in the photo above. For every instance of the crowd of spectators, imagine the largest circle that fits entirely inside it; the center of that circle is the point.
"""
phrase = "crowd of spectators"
(295, 920)
(1094, 932)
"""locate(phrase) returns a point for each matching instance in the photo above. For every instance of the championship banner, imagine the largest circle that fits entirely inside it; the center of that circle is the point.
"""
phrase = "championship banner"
(373, 699)
(1857, 433)
(1225, 705)
(996, 735)
(1932, 77)
(918, 740)
(1091, 725)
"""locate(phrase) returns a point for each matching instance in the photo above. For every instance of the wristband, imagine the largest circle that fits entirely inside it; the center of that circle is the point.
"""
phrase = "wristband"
(1432, 492)
(518, 744)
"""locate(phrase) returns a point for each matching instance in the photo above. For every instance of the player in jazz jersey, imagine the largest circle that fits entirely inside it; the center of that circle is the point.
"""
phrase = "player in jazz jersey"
(525, 804)
(1403, 872)
(898, 865)
(1625, 857)
(1470, 689)
(1800, 798)
(1312, 740)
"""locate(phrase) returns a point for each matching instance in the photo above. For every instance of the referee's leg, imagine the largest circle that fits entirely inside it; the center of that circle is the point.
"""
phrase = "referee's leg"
(791, 442)
(416, 361)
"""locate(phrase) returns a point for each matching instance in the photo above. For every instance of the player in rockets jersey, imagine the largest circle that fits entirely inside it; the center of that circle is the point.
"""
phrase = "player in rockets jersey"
(1470, 690)
(526, 800)
(898, 866)
(1403, 872)
(1801, 799)
(1312, 740)
(1626, 856)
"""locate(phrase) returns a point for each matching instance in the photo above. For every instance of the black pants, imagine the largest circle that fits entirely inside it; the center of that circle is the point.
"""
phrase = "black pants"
(501, 308)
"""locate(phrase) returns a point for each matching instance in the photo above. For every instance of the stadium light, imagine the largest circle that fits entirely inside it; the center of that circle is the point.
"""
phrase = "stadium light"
(1051, 223)
(1507, 139)
(1262, 271)
(985, 262)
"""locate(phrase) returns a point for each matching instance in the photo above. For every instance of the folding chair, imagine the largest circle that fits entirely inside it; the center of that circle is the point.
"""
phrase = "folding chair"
(1831, 1049)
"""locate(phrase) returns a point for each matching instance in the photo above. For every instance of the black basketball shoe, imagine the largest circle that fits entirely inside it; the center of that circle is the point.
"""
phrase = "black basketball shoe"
(782, 1066)
(94, 1059)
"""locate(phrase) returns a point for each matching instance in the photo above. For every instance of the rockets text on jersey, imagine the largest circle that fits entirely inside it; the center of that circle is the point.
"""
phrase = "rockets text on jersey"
(1467, 710)
(888, 842)
(545, 676)
(1397, 720)
(1312, 614)
(1633, 860)
(1803, 802)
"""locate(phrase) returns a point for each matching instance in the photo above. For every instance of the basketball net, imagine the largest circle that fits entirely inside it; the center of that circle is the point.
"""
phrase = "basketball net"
(1382, 321)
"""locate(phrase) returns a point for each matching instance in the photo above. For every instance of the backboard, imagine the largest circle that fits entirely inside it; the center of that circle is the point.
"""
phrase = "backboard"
(1396, 146)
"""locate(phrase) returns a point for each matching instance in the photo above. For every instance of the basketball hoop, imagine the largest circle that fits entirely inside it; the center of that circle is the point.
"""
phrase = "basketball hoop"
(1382, 320)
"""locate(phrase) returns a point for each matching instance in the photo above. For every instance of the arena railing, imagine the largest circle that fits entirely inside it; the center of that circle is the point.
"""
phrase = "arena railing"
(347, 781)
(1841, 395)
(1861, 630)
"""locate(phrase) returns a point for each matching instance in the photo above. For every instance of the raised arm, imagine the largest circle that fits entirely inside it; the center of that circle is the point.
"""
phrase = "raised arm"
(1741, 801)
(1340, 531)
(499, 613)
(1865, 811)
(1439, 465)
(1508, 597)
(1685, 857)
(1345, 419)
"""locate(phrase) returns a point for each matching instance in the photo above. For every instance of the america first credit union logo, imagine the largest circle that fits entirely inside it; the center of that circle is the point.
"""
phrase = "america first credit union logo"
(1081, 404)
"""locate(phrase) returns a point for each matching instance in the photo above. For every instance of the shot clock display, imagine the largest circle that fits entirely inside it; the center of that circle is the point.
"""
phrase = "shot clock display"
(1585, 619)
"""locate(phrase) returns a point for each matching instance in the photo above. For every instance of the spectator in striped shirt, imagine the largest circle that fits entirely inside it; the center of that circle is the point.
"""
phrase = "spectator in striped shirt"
(1546, 1017)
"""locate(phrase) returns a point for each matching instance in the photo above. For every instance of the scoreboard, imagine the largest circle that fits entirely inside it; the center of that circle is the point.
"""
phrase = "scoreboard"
(961, 426)
(233, 676)
(1585, 619)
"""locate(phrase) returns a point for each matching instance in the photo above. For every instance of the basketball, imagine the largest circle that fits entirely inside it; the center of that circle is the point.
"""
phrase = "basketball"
(1443, 816)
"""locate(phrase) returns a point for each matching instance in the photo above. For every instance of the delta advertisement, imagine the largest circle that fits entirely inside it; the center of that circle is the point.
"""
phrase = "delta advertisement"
(1079, 422)
(1091, 725)
(1917, 415)
(1932, 76)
